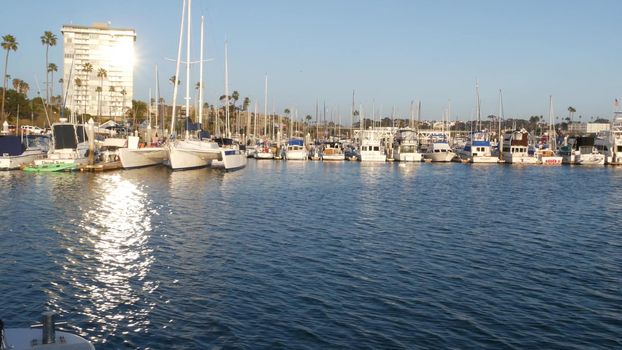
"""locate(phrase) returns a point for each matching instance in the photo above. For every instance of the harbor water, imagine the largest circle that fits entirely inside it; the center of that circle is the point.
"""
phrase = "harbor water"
(312, 255)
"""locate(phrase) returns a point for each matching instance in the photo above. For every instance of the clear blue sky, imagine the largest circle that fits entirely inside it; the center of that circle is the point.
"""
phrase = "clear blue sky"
(390, 52)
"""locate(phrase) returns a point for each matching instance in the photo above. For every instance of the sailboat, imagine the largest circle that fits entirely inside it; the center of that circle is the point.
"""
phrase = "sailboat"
(478, 148)
(189, 153)
(135, 156)
(232, 158)
(547, 154)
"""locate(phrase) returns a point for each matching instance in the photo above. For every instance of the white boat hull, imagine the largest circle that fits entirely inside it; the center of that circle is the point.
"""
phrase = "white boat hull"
(142, 157)
(15, 162)
(519, 159)
(484, 159)
(28, 338)
(190, 154)
(333, 157)
(373, 157)
(296, 155)
(438, 157)
(264, 155)
(231, 160)
(408, 157)
(590, 159)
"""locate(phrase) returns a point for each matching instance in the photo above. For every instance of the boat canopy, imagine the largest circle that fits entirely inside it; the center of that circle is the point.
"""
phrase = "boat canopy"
(11, 145)
(295, 142)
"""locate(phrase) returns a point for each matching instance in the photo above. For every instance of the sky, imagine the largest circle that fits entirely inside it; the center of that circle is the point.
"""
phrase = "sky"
(389, 52)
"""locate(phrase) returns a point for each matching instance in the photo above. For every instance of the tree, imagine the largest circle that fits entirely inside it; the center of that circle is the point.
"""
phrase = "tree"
(78, 83)
(51, 69)
(98, 89)
(123, 93)
(235, 96)
(172, 80)
(47, 39)
(101, 74)
(87, 68)
(8, 43)
(110, 90)
(571, 111)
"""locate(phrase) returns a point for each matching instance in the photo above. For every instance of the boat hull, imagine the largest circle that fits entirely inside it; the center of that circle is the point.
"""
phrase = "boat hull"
(231, 160)
(264, 155)
(440, 157)
(519, 159)
(408, 157)
(590, 159)
(16, 162)
(373, 157)
(551, 160)
(28, 338)
(484, 159)
(296, 155)
(142, 157)
(183, 155)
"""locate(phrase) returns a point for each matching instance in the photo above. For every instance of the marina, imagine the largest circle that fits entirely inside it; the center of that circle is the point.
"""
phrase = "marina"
(204, 174)
(379, 257)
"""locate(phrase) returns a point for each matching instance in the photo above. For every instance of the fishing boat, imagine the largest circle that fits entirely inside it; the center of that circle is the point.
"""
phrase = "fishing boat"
(332, 151)
(371, 148)
(516, 148)
(295, 150)
(17, 151)
(478, 148)
(136, 155)
(582, 150)
(546, 153)
(46, 338)
(263, 150)
(609, 143)
(69, 149)
(406, 148)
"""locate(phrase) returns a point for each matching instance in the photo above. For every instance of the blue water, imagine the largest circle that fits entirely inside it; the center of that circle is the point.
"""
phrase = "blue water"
(317, 255)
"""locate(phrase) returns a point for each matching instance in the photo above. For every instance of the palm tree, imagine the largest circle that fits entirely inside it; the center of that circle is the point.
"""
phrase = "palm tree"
(52, 67)
(101, 74)
(8, 43)
(99, 97)
(123, 93)
(48, 39)
(172, 80)
(16, 83)
(235, 96)
(110, 90)
(86, 68)
(571, 110)
(78, 83)
(61, 81)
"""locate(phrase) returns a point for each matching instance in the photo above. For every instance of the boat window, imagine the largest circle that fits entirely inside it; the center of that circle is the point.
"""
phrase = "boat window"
(619, 148)
(376, 148)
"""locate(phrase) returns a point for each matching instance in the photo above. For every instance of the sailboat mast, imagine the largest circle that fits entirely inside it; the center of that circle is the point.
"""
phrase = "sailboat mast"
(500, 137)
(176, 77)
(157, 99)
(255, 128)
(265, 106)
(201, 76)
(188, 66)
(228, 131)
(477, 102)
(552, 141)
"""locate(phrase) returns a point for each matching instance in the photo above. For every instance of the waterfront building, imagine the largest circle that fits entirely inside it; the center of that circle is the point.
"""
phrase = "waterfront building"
(111, 49)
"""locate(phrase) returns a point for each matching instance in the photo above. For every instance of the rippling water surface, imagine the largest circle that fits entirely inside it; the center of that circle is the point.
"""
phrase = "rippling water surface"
(319, 255)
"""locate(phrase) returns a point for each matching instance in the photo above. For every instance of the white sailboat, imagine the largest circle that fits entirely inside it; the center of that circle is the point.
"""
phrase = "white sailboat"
(547, 154)
(189, 153)
(16, 151)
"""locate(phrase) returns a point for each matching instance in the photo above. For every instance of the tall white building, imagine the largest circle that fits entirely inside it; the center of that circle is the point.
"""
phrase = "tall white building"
(111, 49)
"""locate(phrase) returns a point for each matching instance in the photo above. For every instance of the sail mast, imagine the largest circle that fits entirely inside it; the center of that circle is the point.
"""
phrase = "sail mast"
(265, 107)
(176, 77)
(228, 131)
(188, 66)
(201, 76)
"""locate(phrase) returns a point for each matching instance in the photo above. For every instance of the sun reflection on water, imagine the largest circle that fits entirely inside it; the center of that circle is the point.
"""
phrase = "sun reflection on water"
(109, 261)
